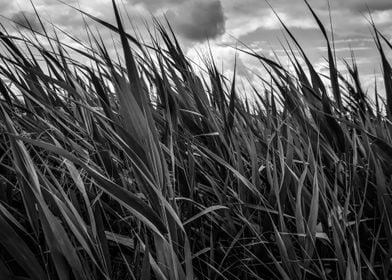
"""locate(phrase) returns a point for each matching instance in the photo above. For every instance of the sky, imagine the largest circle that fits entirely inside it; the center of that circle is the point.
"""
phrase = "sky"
(224, 24)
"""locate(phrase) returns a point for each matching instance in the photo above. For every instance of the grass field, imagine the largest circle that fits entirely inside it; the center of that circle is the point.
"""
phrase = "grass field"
(140, 167)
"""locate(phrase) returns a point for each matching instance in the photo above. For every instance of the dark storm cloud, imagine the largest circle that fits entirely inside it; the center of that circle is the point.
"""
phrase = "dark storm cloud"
(199, 20)
(26, 20)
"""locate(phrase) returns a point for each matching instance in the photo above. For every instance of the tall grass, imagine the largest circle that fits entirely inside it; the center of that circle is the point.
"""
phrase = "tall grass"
(140, 168)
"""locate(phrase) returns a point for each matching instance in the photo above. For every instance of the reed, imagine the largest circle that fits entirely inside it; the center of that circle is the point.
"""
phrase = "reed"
(142, 168)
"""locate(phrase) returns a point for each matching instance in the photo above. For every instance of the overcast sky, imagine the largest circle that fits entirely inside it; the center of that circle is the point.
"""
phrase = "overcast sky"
(223, 22)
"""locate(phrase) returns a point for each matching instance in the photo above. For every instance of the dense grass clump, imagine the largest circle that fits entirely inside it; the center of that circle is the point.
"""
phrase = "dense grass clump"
(139, 168)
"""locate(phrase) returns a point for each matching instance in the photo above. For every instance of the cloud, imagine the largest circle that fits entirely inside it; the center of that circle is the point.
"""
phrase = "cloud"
(154, 5)
(51, 2)
(199, 20)
(5, 6)
(26, 20)
(382, 18)
(363, 6)
(271, 21)
(246, 16)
